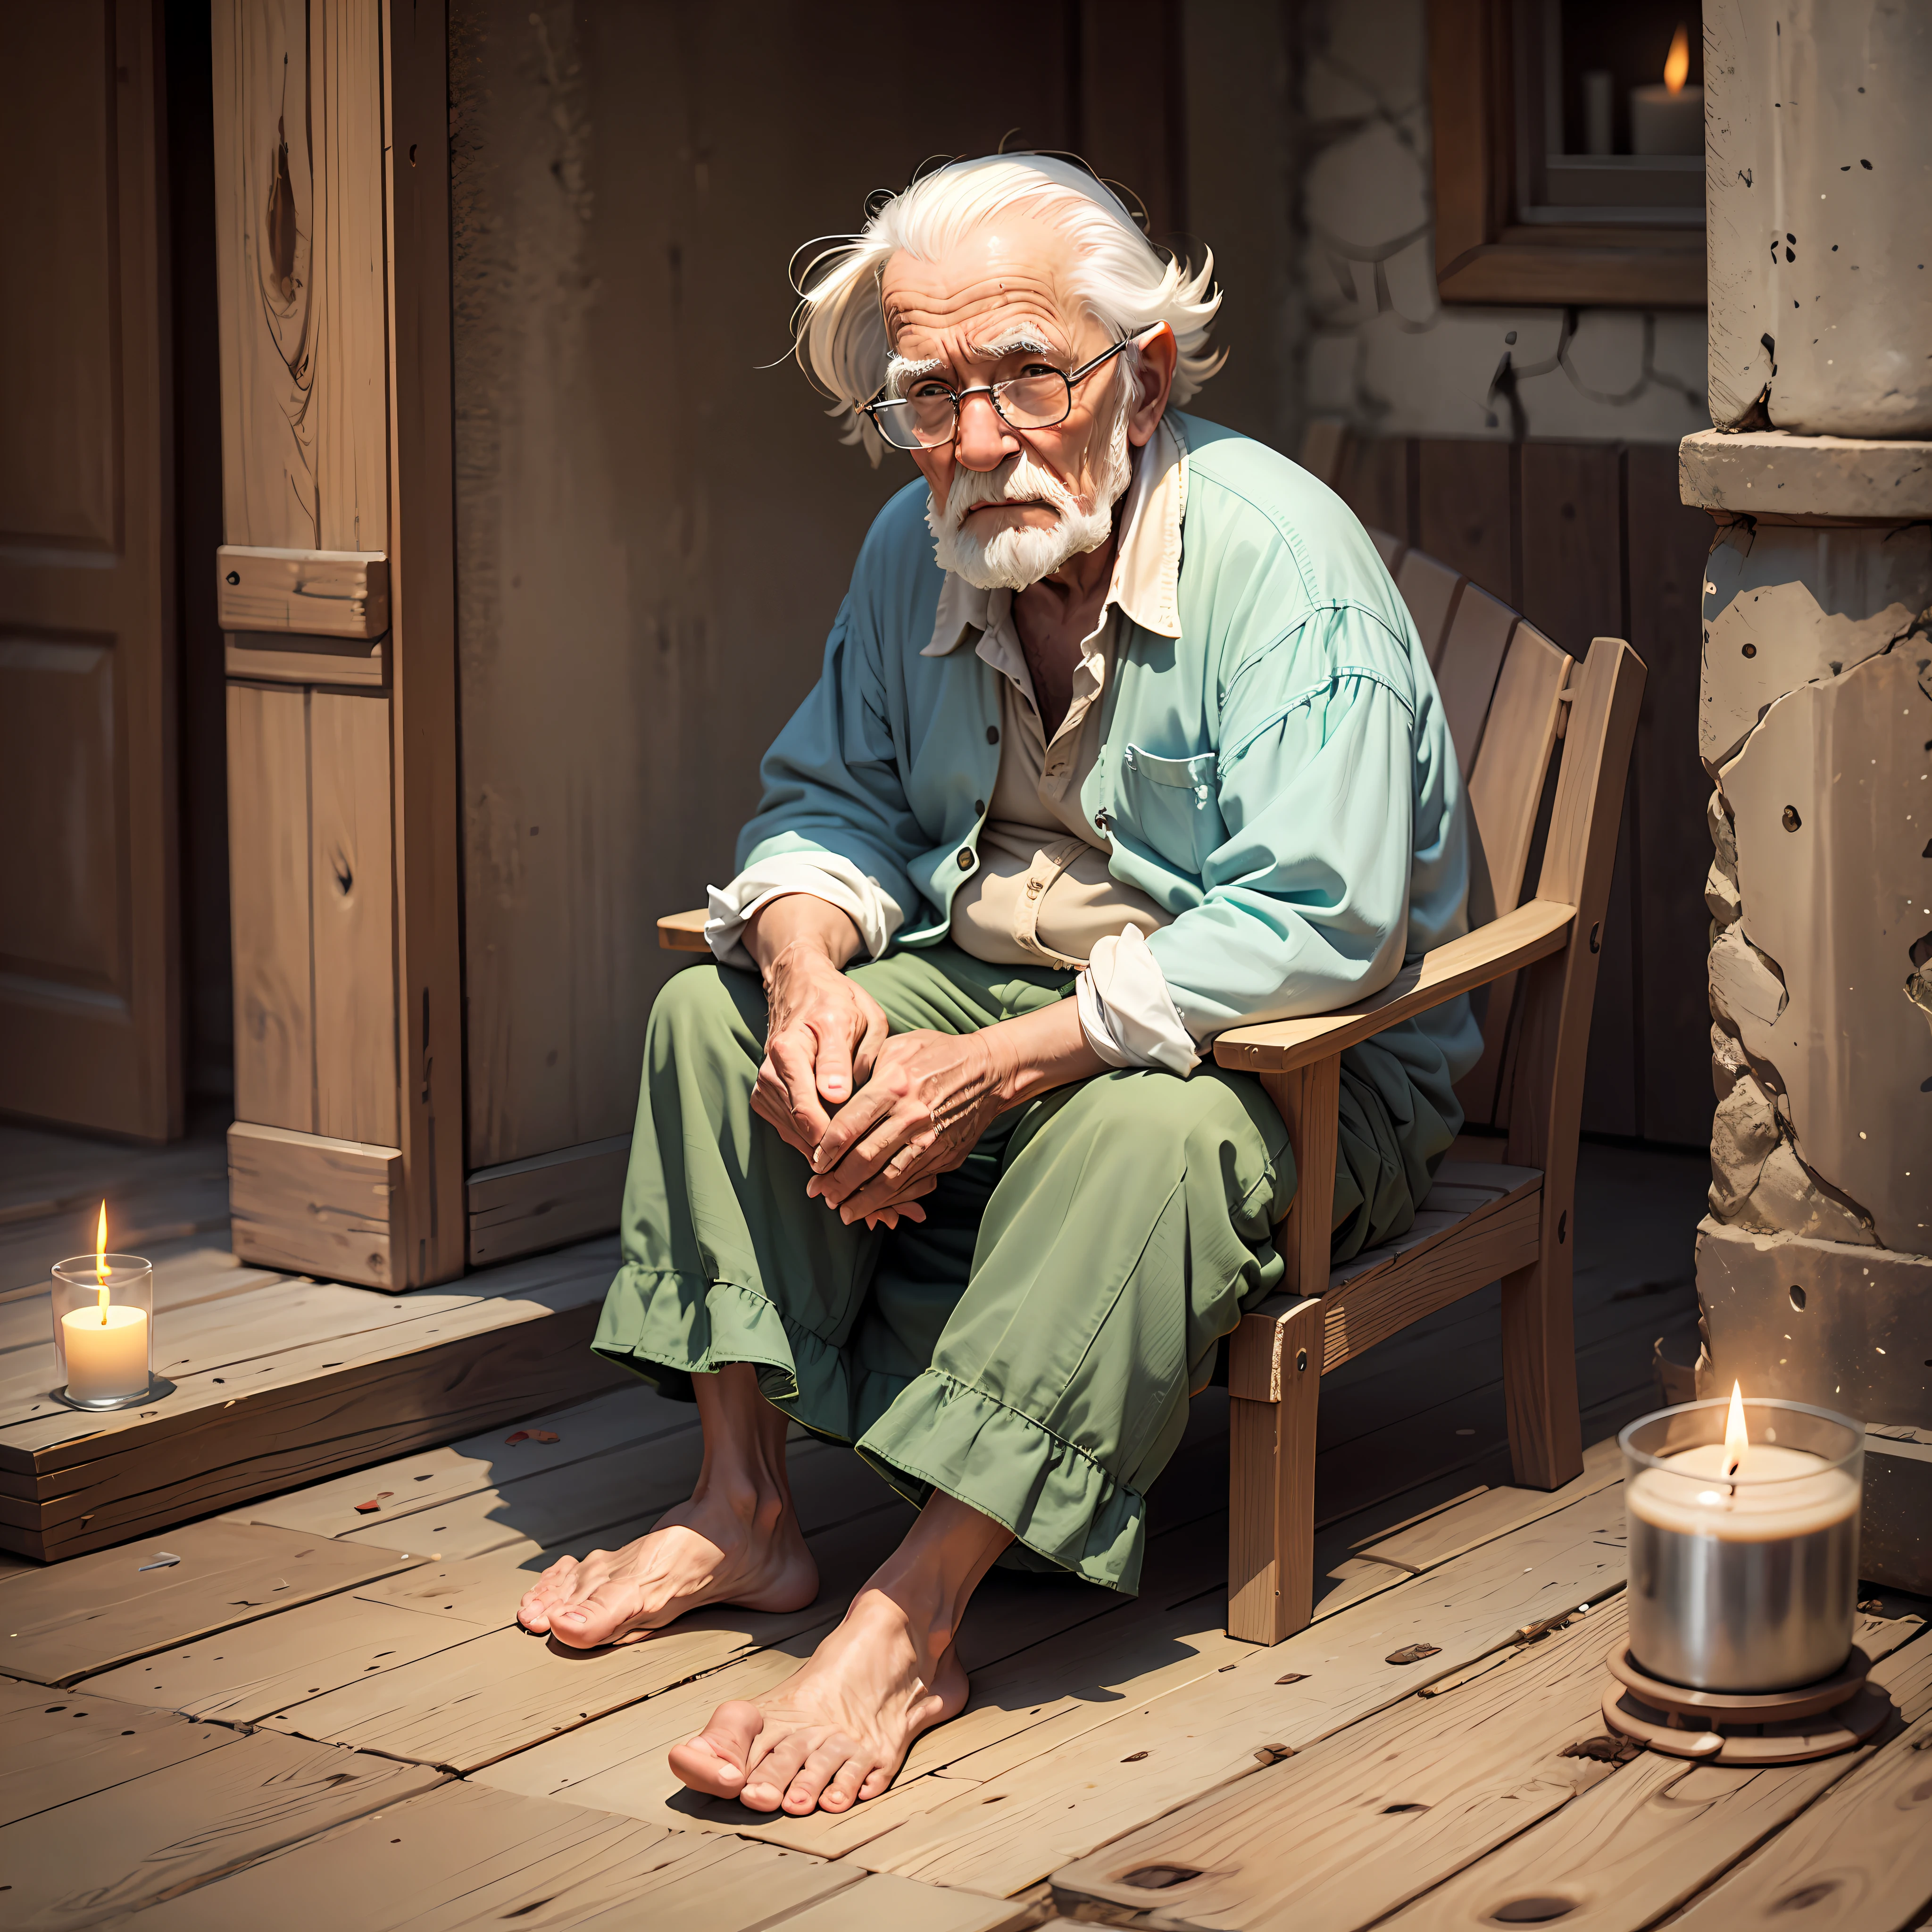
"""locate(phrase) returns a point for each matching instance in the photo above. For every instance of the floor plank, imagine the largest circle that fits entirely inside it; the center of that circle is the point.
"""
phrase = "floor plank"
(434, 1478)
(1382, 1810)
(184, 1824)
(461, 1857)
(1131, 1649)
(65, 1745)
(880, 1903)
(242, 1676)
(467, 1706)
(1636, 1849)
(1122, 1766)
(97, 1611)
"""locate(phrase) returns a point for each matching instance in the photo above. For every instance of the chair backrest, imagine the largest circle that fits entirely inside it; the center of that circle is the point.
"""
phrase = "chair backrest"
(1549, 1039)
(1501, 683)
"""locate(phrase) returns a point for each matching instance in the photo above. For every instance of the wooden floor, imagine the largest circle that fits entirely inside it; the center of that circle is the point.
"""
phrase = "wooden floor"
(314, 1710)
(266, 1380)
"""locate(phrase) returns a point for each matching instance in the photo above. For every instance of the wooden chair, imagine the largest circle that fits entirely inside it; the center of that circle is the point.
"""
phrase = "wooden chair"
(1510, 696)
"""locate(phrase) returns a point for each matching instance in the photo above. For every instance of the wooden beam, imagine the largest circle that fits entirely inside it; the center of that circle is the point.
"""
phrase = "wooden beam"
(526, 1205)
(313, 1204)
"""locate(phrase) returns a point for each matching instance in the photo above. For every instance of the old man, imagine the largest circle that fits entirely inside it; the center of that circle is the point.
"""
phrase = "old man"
(1123, 737)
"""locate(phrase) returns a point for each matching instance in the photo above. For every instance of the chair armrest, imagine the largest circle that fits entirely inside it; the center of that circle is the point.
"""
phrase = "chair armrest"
(1530, 932)
(683, 932)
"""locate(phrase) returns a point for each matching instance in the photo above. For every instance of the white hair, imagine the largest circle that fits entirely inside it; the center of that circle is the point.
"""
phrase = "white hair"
(1121, 279)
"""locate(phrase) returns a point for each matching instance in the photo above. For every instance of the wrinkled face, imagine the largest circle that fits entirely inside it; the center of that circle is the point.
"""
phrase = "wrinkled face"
(996, 306)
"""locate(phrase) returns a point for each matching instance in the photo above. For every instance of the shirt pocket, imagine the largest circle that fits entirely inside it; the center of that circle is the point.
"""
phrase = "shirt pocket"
(1173, 804)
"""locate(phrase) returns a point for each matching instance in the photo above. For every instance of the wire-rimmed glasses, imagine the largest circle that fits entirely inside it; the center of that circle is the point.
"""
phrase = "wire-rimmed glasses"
(928, 418)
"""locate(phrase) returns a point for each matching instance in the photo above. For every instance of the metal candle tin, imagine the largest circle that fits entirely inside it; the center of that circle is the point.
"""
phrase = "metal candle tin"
(1748, 1583)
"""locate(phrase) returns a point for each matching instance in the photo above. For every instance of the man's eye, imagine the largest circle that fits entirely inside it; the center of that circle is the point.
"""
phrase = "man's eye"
(922, 391)
(1039, 369)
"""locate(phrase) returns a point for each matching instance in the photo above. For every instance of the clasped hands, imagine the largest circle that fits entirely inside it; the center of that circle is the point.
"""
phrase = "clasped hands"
(880, 1116)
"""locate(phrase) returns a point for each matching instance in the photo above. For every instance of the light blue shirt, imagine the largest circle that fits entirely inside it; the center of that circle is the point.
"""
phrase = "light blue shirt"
(1278, 776)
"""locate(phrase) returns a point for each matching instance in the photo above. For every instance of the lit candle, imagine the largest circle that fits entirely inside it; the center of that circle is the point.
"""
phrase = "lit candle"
(102, 1324)
(1669, 119)
(1744, 1555)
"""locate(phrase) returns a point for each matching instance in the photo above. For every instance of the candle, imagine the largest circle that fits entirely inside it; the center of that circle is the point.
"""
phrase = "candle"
(106, 1353)
(1669, 119)
(103, 1308)
(1743, 1553)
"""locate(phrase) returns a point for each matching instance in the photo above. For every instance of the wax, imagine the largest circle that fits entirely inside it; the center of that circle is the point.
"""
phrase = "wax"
(1664, 123)
(107, 1360)
(1784, 1492)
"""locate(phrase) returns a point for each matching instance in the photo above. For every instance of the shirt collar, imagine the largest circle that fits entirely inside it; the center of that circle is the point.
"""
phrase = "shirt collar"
(1147, 565)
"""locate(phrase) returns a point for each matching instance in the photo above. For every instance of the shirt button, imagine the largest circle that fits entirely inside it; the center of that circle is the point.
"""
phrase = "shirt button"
(992, 734)
(979, 808)
(965, 862)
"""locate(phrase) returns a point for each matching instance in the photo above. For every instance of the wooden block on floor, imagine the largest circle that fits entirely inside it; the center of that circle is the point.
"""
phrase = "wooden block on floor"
(170, 1831)
(500, 1345)
(314, 1204)
(103, 1610)
(460, 1858)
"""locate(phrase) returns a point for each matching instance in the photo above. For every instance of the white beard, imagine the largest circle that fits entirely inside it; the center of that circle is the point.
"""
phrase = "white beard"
(1013, 558)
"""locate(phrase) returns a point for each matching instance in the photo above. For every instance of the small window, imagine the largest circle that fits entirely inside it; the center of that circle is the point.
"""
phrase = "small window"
(1569, 151)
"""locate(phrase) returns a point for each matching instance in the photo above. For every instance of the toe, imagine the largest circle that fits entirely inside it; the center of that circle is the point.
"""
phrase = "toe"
(714, 1760)
(821, 1765)
(771, 1778)
(843, 1793)
(533, 1612)
(594, 1618)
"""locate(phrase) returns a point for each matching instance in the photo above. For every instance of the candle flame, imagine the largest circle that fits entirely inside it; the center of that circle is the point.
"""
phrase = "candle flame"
(1677, 62)
(100, 1260)
(1735, 1440)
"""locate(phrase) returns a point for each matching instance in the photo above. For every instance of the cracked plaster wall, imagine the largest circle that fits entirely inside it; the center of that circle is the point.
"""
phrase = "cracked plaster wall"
(1380, 349)
(1817, 717)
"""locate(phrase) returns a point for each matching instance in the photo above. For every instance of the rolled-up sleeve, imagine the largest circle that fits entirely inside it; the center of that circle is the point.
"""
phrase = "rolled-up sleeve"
(1345, 843)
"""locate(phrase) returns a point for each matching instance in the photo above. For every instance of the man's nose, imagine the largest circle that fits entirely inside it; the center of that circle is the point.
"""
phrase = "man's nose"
(983, 438)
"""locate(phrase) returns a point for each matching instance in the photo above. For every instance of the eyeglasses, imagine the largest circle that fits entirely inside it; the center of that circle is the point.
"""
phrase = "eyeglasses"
(928, 418)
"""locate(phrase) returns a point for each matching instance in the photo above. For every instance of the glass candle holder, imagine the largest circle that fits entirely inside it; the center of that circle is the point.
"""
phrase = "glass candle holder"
(1747, 1581)
(103, 1342)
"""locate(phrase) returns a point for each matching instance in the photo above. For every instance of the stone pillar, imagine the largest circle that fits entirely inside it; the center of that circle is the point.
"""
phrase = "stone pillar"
(1814, 1266)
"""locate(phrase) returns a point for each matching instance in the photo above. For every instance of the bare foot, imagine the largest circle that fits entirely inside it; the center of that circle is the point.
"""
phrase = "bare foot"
(703, 1551)
(836, 1731)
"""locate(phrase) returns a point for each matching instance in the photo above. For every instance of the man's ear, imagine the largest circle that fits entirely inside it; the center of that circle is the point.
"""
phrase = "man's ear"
(1159, 353)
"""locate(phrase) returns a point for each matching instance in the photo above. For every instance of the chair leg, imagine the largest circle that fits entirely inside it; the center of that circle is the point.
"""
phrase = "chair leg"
(1546, 1429)
(1271, 1492)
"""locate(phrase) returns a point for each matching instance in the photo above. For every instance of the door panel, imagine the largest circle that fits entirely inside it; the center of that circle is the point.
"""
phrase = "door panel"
(89, 993)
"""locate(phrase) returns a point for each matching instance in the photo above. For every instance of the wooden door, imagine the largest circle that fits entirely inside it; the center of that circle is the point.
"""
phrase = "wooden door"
(90, 1028)
(334, 589)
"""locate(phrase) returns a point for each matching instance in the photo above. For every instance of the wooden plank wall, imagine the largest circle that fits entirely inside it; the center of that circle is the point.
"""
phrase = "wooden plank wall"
(655, 521)
(1589, 539)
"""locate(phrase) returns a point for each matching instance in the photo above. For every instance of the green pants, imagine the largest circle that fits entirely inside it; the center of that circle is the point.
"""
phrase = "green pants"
(1031, 1347)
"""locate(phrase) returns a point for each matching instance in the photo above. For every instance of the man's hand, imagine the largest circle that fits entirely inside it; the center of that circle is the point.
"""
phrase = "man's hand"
(930, 1097)
(824, 1029)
